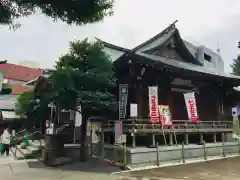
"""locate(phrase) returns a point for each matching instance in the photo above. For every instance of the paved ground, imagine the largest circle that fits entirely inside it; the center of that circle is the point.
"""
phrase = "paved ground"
(214, 170)
(34, 170)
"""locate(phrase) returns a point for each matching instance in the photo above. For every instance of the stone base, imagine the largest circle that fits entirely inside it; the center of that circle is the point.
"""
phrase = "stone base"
(229, 137)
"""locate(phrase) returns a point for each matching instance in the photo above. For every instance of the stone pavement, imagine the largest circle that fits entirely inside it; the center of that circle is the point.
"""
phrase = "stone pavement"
(35, 170)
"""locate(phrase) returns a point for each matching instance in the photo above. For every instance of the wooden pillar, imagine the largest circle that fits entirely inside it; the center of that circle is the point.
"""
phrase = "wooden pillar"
(139, 98)
(102, 141)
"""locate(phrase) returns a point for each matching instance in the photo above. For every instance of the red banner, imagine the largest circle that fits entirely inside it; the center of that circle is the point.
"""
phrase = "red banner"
(153, 104)
(191, 107)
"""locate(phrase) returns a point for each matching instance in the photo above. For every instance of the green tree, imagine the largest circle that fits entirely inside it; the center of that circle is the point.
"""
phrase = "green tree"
(27, 108)
(25, 104)
(236, 66)
(82, 77)
(73, 12)
(91, 85)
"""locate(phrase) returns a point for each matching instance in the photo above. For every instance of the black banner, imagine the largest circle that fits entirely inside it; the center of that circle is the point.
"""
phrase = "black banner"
(123, 95)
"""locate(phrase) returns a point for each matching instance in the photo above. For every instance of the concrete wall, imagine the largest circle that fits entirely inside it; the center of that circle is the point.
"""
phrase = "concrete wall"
(166, 153)
(175, 153)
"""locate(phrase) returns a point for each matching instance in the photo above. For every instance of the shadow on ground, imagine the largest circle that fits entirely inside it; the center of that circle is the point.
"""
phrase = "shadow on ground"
(89, 166)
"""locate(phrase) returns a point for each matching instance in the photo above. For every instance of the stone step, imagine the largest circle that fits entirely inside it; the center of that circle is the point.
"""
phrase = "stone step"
(29, 152)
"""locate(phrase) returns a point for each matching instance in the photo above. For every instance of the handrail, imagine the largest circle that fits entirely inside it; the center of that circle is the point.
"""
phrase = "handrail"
(20, 131)
(29, 135)
(24, 138)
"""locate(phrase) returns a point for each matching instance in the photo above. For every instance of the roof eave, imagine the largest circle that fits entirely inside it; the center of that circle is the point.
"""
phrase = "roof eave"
(112, 46)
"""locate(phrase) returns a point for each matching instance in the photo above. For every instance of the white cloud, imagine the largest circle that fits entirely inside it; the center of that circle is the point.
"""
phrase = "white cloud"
(134, 21)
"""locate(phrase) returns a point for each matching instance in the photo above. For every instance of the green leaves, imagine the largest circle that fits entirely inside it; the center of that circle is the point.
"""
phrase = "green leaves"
(91, 89)
(72, 12)
(68, 86)
(236, 66)
(26, 104)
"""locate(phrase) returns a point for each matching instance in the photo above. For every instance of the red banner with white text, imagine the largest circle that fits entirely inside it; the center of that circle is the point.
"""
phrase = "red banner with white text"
(153, 104)
(191, 107)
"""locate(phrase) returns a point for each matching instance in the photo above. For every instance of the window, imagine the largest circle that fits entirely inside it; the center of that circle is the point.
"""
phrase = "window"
(207, 57)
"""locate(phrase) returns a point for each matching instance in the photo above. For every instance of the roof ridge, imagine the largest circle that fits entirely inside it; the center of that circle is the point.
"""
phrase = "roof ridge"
(172, 25)
(23, 66)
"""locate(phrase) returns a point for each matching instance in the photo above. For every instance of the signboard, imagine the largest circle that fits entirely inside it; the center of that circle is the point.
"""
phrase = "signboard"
(123, 95)
(153, 104)
(191, 107)
(234, 111)
(236, 128)
(133, 110)
(78, 117)
(50, 129)
(47, 123)
(165, 115)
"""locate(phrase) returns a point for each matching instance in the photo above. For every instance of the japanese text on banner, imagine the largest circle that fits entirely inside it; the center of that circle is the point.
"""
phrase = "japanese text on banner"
(123, 95)
(191, 106)
(153, 104)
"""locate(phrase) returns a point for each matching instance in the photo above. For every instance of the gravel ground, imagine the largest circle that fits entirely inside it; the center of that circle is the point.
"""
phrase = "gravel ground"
(228, 169)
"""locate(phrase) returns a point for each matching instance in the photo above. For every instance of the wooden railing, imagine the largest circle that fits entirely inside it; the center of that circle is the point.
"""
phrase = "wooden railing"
(180, 126)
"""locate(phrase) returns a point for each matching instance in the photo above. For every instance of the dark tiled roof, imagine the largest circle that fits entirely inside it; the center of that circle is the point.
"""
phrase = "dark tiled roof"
(17, 72)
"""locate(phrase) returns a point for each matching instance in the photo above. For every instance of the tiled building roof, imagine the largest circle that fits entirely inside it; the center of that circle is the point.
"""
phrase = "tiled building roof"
(18, 72)
(19, 88)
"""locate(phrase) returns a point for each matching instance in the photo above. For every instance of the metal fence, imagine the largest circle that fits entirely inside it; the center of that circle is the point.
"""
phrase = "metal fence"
(123, 157)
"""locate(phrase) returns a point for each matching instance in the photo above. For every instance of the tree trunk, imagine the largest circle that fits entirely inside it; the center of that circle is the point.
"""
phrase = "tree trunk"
(83, 139)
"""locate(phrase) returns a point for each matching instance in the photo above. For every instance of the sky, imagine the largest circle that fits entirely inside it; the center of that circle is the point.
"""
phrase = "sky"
(212, 23)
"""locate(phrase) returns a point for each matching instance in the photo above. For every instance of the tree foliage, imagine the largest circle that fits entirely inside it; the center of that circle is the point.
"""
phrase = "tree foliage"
(73, 12)
(236, 66)
(25, 106)
(93, 85)
(72, 84)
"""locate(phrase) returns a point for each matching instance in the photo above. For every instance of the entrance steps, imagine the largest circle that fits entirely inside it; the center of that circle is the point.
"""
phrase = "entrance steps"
(33, 151)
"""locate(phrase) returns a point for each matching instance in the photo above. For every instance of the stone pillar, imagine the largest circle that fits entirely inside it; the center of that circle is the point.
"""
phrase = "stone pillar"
(223, 137)
(229, 137)
(133, 140)
(214, 138)
(201, 138)
(153, 140)
(170, 139)
(186, 139)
